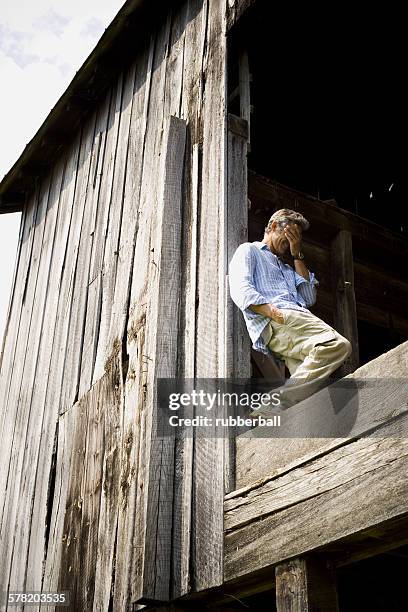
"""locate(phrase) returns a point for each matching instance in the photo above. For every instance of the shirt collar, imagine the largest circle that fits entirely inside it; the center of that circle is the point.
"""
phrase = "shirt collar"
(261, 245)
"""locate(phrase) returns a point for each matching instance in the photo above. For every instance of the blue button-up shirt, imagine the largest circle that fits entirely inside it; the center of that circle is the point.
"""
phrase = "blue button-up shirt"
(258, 276)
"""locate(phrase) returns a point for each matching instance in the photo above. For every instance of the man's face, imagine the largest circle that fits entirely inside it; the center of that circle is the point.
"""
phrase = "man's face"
(279, 240)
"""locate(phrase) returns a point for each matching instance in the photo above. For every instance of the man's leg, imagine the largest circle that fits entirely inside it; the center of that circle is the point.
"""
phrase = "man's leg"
(312, 350)
(293, 364)
(310, 376)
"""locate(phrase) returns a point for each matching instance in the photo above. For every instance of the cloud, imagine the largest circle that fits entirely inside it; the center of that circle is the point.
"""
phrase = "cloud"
(93, 27)
(15, 44)
(36, 88)
(52, 21)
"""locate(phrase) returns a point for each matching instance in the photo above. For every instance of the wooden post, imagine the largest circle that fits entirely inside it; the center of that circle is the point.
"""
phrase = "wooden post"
(305, 585)
(238, 343)
(238, 347)
(345, 314)
(245, 93)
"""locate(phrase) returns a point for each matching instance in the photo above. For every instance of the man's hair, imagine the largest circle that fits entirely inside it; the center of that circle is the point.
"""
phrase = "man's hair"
(288, 215)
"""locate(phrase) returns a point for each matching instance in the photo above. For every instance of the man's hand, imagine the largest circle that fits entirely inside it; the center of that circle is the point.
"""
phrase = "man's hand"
(294, 235)
(269, 310)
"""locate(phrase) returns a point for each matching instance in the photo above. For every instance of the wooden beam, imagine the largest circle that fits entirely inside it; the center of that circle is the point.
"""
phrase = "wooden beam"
(209, 453)
(238, 345)
(345, 314)
(329, 217)
(245, 91)
(262, 454)
(305, 584)
(239, 127)
(371, 487)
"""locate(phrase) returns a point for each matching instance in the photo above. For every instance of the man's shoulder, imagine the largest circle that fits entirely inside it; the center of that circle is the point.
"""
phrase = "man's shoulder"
(246, 247)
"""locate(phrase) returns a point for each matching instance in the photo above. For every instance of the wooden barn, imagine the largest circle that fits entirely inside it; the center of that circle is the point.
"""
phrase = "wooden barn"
(188, 125)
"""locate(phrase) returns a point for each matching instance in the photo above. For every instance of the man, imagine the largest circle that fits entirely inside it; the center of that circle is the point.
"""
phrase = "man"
(274, 298)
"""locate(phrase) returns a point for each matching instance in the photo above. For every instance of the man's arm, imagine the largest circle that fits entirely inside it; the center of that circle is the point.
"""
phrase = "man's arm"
(268, 310)
(300, 268)
(306, 282)
(242, 289)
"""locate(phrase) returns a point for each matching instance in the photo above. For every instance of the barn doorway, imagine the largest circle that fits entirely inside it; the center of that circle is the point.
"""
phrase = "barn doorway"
(326, 124)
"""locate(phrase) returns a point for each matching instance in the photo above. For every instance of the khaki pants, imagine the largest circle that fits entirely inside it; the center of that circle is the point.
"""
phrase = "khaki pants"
(311, 350)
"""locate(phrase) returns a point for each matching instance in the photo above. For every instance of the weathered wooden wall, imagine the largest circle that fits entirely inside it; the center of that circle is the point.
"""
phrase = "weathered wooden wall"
(95, 314)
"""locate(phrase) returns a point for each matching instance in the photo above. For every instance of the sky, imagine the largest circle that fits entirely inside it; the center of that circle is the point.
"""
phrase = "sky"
(42, 45)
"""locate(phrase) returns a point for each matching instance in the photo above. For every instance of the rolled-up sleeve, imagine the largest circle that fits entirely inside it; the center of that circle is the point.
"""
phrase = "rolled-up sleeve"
(307, 289)
(241, 279)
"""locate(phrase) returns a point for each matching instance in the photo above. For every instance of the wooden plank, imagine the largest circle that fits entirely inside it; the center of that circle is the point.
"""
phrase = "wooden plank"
(159, 512)
(345, 314)
(70, 382)
(17, 273)
(173, 91)
(263, 457)
(321, 474)
(83, 580)
(304, 584)
(9, 345)
(105, 348)
(111, 483)
(193, 89)
(92, 498)
(66, 435)
(370, 542)
(94, 297)
(183, 469)
(16, 411)
(67, 553)
(237, 341)
(124, 567)
(239, 127)
(141, 334)
(9, 372)
(377, 493)
(208, 483)
(194, 59)
(291, 586)
(245, 91)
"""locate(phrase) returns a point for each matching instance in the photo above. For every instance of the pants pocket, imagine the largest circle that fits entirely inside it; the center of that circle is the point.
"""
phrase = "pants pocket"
(319, 338)
(281, 342)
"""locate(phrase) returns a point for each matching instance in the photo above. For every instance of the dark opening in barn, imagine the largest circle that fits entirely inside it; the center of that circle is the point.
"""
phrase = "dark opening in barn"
(325, 108)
